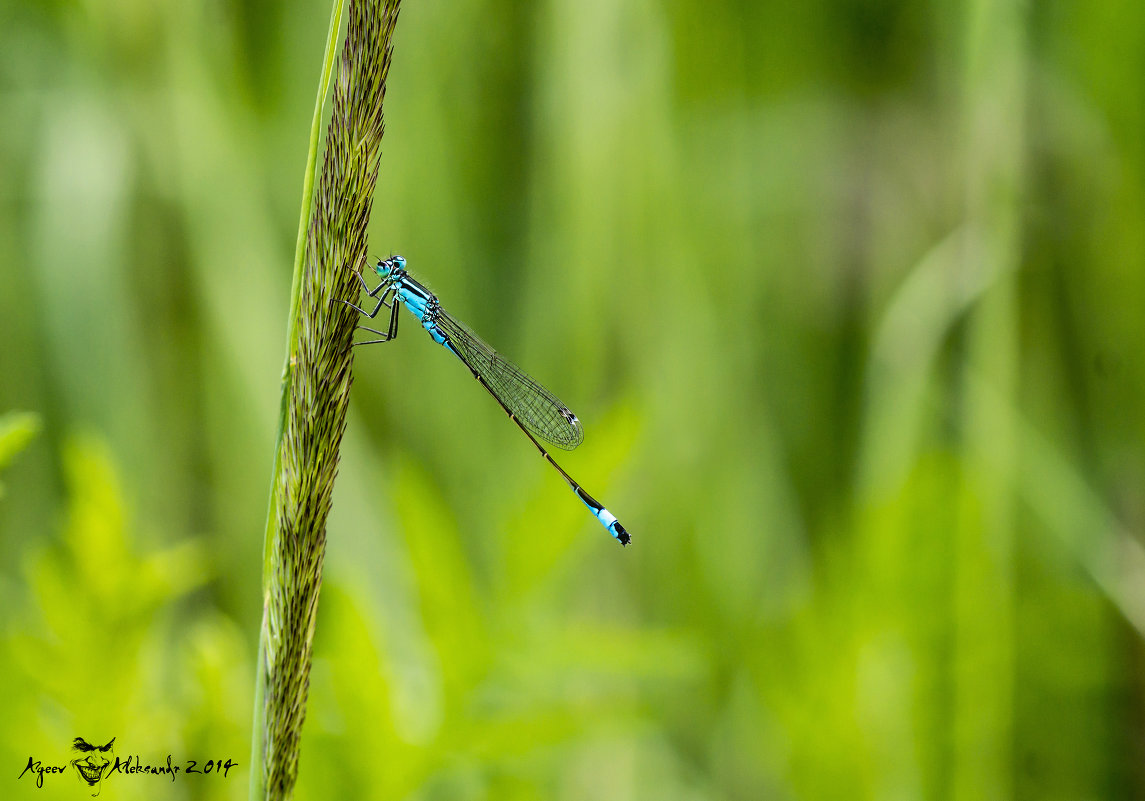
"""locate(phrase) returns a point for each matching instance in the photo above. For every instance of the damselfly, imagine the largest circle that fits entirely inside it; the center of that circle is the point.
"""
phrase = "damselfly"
(534, 409)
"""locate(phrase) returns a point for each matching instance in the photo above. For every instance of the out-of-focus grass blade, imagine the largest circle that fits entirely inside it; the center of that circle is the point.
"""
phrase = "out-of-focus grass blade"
(944, 284)
(17, 429)
(1069, 508)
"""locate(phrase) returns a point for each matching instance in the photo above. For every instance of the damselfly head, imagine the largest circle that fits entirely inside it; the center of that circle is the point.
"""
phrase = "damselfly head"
(387, 266)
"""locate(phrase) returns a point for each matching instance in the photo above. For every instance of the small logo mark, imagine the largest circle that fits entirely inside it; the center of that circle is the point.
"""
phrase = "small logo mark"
(92, 761)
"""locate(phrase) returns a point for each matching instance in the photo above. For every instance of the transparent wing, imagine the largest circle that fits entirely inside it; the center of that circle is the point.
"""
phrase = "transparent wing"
(539, 410)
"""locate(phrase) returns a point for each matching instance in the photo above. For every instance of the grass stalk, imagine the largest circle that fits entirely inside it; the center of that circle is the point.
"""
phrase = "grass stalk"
(316, 382)
(985, 565)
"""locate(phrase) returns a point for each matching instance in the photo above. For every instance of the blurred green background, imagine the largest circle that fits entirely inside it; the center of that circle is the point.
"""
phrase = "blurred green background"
(848, 295)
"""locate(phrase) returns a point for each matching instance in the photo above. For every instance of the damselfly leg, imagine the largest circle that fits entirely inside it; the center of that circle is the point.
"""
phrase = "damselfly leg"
(387, 335)
(387, 300)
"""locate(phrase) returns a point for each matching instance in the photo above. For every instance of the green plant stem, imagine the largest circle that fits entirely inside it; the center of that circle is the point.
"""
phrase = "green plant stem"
(315, 383)
(257, 775)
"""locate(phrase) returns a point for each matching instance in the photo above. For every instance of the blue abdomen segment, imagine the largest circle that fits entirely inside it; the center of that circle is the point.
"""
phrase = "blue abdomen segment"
(435, 332)
(606, 518)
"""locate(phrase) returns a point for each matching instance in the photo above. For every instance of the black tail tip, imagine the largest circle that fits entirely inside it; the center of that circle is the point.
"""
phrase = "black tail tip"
(622, 535)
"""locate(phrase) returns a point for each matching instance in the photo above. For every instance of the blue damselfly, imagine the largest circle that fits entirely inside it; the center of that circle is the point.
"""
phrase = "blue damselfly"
(534, 409)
